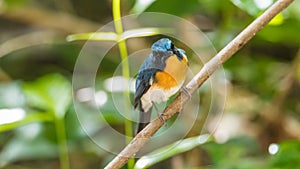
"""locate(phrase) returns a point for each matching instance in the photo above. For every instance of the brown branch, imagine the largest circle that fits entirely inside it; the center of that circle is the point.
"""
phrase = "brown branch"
(142, 138)
(50, 19)
(30, 39)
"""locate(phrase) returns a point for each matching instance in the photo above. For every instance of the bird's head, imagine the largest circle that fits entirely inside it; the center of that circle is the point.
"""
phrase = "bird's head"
(166, 45)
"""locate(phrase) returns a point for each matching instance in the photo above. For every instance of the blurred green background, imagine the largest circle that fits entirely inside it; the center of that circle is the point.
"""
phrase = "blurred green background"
(38, 124)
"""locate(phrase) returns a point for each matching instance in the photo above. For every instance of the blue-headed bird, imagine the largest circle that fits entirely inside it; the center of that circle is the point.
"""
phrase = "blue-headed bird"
(161, 75)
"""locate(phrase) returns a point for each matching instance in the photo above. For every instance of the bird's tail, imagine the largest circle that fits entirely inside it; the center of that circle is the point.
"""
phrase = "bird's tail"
(144, 119)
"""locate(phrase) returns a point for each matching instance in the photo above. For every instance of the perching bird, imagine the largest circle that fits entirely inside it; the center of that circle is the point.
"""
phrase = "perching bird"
(161, 75)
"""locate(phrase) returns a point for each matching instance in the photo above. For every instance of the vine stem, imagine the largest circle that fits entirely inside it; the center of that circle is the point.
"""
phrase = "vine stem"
(125, 70)
(237, 43)
(62, 142)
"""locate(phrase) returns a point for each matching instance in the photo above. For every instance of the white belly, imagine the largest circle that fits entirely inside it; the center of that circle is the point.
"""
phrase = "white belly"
(157, 96)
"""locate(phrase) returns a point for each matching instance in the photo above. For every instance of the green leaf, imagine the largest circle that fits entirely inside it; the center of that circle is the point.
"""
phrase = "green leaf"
(171, 150)
(33, 117)
(104, 36)
(111, 36)
(51, 93)
(143, 32)
(141, 5)
(277, 20)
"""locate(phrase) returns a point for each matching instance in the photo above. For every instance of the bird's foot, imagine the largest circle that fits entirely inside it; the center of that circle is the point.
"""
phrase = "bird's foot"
(161, 117)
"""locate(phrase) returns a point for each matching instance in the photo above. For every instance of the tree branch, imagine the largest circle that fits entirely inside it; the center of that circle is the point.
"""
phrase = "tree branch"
(49, 19)
(142, 138)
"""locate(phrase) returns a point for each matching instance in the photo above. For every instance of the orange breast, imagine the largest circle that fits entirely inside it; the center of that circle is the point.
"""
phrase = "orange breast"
(173, 74)
(164, 81)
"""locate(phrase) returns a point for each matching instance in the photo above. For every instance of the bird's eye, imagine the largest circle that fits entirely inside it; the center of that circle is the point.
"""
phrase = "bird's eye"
(172, 46)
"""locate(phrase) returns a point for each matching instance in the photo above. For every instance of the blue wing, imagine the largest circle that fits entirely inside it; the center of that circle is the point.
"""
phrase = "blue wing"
(155, 62)
(143, 84)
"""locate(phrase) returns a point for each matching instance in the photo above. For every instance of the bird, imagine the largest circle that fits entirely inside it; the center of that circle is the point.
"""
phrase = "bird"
(160, 76)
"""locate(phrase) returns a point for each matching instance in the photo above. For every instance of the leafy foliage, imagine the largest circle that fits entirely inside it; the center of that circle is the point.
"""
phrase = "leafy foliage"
(51, 93)
(36, 82)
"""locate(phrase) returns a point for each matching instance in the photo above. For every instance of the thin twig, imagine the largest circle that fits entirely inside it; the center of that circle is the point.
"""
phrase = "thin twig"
(142, 138)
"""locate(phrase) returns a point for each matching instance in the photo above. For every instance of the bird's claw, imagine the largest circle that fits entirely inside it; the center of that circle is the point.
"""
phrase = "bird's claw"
(160, 116)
